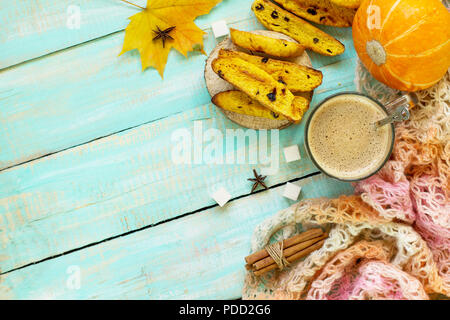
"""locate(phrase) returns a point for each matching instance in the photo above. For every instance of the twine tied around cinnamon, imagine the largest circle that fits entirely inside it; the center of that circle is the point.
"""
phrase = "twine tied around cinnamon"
(283, 253)
(275, 250)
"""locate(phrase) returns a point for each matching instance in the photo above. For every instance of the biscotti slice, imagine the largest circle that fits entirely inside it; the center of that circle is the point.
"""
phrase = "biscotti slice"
(320, 11)
(256, 83)
(354, 4)
(263, 44)
(240, 102)
(277, 19)
(297, 78)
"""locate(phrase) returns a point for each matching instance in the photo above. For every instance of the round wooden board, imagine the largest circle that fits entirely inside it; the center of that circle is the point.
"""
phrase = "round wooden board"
(215, 84)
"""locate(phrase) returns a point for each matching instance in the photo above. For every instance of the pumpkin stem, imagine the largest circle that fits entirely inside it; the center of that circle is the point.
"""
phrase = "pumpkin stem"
(376, 52)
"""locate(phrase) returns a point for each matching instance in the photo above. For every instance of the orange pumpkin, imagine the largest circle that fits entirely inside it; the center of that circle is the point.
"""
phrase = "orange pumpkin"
(403, 43)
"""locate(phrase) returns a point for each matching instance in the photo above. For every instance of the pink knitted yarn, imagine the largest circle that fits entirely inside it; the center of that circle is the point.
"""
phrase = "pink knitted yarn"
(362, 272)
(391, 240)
(392, 198)
(414, 185)
(381, 280)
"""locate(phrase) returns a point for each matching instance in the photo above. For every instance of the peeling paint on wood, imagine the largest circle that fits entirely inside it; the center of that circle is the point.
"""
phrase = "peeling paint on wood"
(200, 256)
(108, 127)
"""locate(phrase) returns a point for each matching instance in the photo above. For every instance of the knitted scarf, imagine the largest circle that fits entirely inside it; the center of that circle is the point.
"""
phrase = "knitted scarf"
(391, 239)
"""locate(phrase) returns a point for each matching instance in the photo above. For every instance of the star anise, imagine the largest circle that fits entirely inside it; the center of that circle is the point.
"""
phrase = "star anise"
(163, 35)
(258, 180)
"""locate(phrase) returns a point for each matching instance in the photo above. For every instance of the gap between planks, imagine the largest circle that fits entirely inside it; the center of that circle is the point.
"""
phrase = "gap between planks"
(75, 45)
(197, 257)
(158, 223)
(319, 91)
(39, 149)
(93, 199)
(87, 142)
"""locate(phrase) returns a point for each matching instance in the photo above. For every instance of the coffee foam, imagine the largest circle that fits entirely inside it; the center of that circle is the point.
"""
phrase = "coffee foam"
(343, 140)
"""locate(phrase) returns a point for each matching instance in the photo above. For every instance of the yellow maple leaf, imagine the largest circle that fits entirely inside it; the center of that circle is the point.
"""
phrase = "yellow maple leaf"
(163, 14)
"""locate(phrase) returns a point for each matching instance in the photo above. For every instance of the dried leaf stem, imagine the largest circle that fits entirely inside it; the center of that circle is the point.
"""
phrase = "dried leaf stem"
(133, 4)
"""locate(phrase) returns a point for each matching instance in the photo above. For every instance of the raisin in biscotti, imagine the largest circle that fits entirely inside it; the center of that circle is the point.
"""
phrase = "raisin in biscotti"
(263, 44)
(354, 4)
(240, 102)
(258, 84)
(277, 19)
(296, 77)
(320, 11)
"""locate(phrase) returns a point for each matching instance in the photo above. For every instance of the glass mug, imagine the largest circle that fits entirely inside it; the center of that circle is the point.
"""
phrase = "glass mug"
(350, 136)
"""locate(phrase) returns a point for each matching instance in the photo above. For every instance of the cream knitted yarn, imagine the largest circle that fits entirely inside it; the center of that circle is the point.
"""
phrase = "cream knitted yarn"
(391, 239)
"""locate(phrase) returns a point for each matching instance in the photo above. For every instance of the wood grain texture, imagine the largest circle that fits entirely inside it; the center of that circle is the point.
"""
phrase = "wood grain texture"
(90, 190)
(45, 26)
(86, 92)
(121, 183)
(200, 256)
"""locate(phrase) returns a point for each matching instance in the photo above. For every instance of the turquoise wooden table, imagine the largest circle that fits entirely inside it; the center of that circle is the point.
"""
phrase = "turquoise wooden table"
(91, 204)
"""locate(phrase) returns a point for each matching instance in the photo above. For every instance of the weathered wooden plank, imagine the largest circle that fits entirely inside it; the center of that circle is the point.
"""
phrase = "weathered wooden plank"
(88, 91)
(33, 28)
(122, 182)
(47, 26)
(195, 257)
(117, 184)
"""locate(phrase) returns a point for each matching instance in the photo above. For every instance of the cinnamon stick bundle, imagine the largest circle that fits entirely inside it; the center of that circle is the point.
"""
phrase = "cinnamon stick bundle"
(294, 248)
(307, 235)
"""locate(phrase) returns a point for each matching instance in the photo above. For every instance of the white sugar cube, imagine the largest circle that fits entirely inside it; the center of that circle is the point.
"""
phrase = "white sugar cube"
(292, 191)
(221, 196)
(292, 153)
(219, 28)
